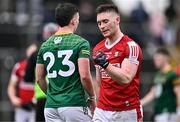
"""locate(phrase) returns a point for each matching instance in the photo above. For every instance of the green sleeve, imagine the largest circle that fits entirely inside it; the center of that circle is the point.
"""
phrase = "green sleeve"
(84, 51)
(40, 57)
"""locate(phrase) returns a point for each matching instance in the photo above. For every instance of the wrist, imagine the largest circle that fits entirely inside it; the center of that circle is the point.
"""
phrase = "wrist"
(92, 98)
(105, 65)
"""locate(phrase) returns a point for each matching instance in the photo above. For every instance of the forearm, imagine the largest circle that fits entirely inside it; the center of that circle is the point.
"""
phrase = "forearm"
(148, 98)
(11, 92)
(177, 91)
(178, 101)
(85, 75)
(178, 104)
(40, 77)
(42, 84)
(97, 81)
(87, 84)
(122, 76)
(97, 88)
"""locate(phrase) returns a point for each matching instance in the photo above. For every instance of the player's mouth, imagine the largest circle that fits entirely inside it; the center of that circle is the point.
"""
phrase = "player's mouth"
(104, 31)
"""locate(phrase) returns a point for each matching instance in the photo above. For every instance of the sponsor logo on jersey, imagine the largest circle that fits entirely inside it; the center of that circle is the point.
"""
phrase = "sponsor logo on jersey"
(127, 103)
(57, 40)
(116, 54)
(104, 74)
(108, 54)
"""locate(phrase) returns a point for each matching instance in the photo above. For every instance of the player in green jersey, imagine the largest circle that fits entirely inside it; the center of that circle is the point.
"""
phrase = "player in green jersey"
(65, 59)
(40, 98)
(165, 89)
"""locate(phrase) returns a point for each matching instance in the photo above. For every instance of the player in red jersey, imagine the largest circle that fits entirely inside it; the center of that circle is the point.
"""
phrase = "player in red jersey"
(20, 92)
(118, 60)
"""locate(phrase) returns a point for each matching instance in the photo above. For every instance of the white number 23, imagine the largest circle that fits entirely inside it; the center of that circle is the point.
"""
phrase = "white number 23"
(65, 61)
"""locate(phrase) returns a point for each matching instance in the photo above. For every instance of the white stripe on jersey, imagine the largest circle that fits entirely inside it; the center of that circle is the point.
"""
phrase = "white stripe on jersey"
(133, 52)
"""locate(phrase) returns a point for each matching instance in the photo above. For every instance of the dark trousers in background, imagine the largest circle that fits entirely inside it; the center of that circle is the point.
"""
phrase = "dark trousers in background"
(40, 110)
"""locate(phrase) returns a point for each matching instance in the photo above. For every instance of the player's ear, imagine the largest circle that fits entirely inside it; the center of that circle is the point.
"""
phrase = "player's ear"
(73, 21)
(118, 19)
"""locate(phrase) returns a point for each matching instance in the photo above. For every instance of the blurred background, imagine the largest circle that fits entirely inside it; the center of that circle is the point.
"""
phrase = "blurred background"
(151, 23)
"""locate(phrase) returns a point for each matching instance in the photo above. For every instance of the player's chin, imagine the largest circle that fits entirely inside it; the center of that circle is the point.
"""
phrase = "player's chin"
(106, 35)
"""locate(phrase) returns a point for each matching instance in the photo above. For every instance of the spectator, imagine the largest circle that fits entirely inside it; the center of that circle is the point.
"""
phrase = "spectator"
(48, 30)
(166, 89)
(20, 92)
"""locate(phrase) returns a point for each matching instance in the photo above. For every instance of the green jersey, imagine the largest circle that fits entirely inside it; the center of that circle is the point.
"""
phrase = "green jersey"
(60, 54)
(165, 100)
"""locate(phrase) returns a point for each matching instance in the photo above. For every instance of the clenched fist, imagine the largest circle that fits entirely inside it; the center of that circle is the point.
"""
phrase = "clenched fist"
(100, 58)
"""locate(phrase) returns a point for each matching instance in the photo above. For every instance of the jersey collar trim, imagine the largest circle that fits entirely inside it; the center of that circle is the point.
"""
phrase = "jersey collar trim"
(62, 33)
(115, 42)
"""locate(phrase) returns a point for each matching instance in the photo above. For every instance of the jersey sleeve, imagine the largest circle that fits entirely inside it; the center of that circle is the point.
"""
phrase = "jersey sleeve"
(40, 57)
(132, 52)
(84, 51)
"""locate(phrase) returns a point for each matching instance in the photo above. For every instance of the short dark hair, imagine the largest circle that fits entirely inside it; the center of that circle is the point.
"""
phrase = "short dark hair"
(163, 51)
(64, 12)
(107, 8)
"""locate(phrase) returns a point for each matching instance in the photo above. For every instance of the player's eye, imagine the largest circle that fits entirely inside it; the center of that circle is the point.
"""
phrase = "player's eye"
(99, 23)
(105, 21)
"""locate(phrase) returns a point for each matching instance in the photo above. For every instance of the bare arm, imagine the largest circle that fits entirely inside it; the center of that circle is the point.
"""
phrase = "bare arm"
(86, 79)
(97, 81)
(123, 75)
(40, 77)
(16, 101)
(177, 92)
(149, 97)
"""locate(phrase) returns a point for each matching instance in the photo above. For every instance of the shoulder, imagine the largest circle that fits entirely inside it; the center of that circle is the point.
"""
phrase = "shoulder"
(100, 45)
(22, 62)
(19, 65)
(131, 46)
(130, 42)
(79, 38)
(46, 44)
(80, 42)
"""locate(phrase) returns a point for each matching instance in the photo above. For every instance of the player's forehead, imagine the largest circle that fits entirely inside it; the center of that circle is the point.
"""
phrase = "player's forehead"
(105, 15)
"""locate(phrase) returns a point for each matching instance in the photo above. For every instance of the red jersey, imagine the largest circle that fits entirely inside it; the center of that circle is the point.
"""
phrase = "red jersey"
(113, 96)
(25, 90)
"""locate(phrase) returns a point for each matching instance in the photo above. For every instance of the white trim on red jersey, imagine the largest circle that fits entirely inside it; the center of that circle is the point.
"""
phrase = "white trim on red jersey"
(26, 86)
(114, 43)
(133, 52)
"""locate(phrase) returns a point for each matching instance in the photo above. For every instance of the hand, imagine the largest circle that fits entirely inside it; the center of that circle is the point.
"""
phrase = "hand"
(91, 105)
(100, 59)
(16, 101)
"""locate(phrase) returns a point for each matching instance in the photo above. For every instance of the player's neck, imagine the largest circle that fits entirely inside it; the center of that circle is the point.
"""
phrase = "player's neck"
(65, 29)
(114, 37)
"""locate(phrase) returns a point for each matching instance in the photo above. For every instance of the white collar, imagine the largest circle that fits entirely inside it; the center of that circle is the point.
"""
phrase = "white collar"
(114, 43)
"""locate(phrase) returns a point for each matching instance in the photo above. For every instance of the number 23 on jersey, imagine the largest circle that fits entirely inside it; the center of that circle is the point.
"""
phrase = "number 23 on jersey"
(65, 61)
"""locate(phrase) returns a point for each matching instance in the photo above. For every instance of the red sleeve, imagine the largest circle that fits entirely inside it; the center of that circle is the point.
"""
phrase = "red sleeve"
(132, 52)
